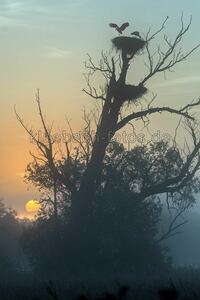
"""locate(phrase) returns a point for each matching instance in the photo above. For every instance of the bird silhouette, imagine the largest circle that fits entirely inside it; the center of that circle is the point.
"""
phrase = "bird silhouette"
(136, 33)
(121, 28)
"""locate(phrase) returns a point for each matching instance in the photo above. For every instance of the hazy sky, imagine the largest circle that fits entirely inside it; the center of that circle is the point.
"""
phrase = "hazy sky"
(44, 44)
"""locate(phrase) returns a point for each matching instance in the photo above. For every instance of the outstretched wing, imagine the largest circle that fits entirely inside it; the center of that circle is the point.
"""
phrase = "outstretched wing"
(124, 25)
(113, 25)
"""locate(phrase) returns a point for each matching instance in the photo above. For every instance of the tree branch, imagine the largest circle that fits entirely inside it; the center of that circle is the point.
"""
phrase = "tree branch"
(172, 228)
(141, 114)
(170, 57)
(46, 150)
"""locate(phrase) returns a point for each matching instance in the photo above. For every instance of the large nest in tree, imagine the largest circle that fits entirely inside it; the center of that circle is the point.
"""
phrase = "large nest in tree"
(128, 45)
(130, 92)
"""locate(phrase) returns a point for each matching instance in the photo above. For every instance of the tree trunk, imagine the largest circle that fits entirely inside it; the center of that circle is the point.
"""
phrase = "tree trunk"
(84, 201)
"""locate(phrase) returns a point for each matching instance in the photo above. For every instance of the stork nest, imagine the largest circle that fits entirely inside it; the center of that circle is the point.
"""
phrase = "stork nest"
(128, 45)
(130, 92)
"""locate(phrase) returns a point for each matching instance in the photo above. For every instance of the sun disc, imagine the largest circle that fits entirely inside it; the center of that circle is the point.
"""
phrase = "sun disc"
(32, 206)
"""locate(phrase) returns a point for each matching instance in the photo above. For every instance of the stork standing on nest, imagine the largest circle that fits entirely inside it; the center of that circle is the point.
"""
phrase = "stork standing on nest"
(136, 33)
(121, 28)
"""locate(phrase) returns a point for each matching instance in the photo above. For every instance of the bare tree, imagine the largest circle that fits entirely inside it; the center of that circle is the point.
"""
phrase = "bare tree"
(115, 95)
(57, 167)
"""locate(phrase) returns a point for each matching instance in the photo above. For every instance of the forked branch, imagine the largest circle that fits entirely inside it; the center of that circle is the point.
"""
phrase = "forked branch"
(184, 112)
(167, 59)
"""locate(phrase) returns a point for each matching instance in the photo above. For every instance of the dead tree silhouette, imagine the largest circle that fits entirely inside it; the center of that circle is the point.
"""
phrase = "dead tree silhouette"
(115, 96)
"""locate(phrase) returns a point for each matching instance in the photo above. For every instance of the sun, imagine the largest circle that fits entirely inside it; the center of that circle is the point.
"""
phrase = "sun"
(32, 206)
